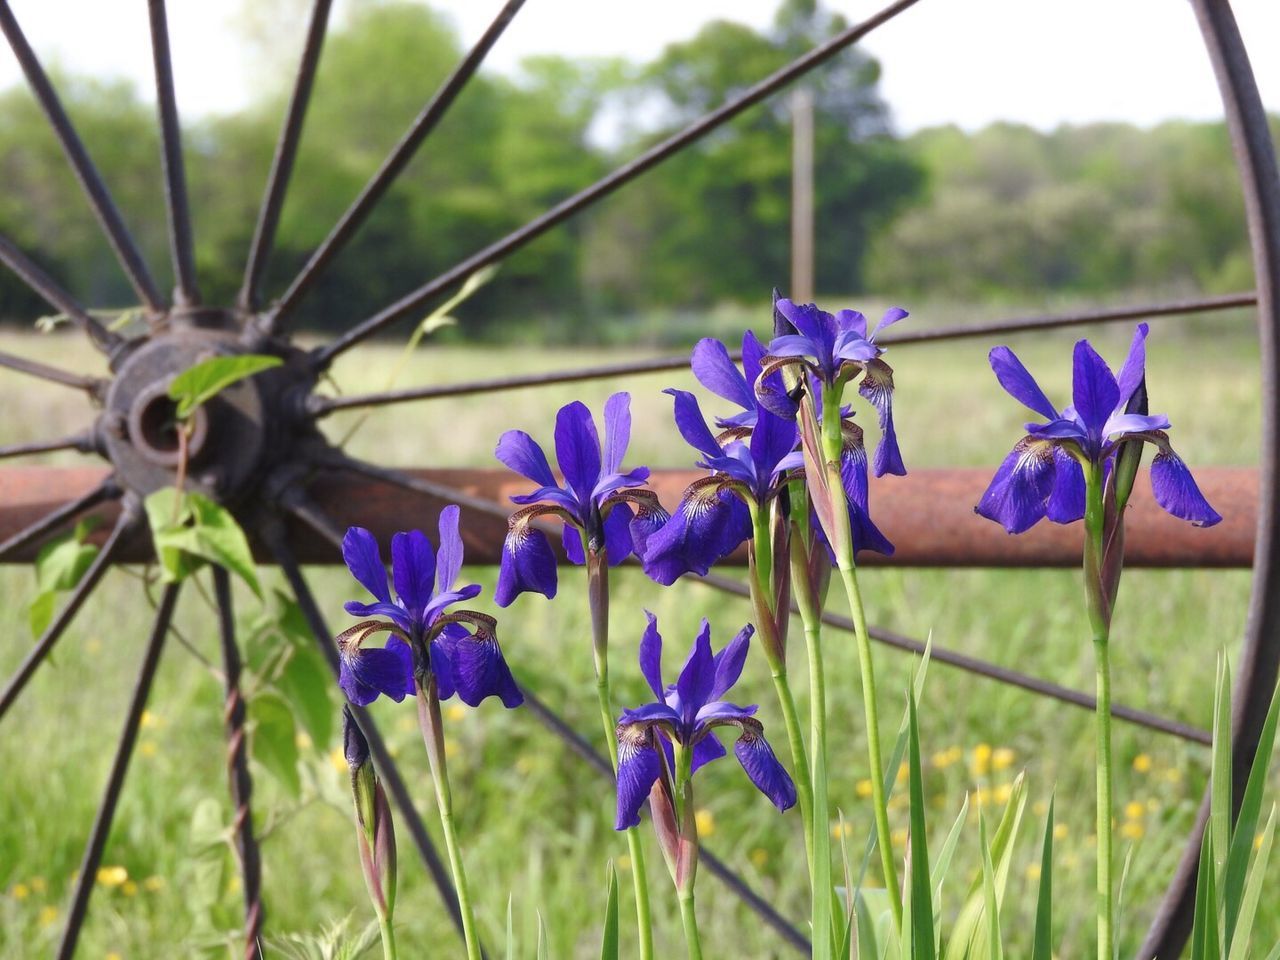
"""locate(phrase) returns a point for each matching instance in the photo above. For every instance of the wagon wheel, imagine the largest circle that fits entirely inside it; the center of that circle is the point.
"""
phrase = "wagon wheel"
(260, 452)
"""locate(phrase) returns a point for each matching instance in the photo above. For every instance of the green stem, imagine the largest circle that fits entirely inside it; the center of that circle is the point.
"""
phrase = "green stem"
(1099, 609)
(690, 918)
(833, 449)
(388, 939)
(598, 600)
(433, 736)
(771, 642)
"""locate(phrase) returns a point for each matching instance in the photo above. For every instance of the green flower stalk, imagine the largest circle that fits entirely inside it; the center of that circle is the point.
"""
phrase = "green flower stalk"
(375, 831)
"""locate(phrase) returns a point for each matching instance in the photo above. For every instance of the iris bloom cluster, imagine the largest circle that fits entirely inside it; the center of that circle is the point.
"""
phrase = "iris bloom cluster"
(595, 504)
(1043, 475)
(683, 717)
(458, 648)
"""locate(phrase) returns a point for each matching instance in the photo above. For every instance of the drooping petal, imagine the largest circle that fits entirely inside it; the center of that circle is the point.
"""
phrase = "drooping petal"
(651, 655)
(1018, 382)
(1135, 366)
(1176, 490)
(578, 448)
(638, 770)
(730, 661)
(617, 534)
(441, 654)
(691, 424)
(771, 440)
(698, 676)
(480, 670)
(617, 431)
(853, 477)
(449, 559)
(1119, 424)
(708, 525)
(769, 776)
(715, 371)
(753, 351)
(571, 540)
(721, 712)
(413, 568)
(521, 453)
(364, 560)
(527, 564)
(1066, 501)
(877, 388)
(704, 751)
(649, 519)
(1094, 392)
(366, 672)
(1017, 494)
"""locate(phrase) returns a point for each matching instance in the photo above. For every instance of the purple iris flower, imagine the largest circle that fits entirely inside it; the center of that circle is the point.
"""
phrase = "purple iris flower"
(1043, 475)
(751, 461)
(596, 500)
(458, 648)
(835, 349)
(685, 715)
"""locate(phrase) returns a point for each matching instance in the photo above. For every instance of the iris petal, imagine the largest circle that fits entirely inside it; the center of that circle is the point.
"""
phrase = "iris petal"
(729, 662)
(706, 527)
(753, 351)
(638, 770)
(617, 430)
(1017, 494)
(719, 374)
(449, 558)
(578, 448)
(698, 676)
(1094, 392)
(617, 534)
(1176, 490)
(413, 568)
(691, 424)
(1066, 501)
(1019, 383)
(521, 453)
(480, 671)
(704, 751)
(877, 388)
(1135, 366)
(364, 560)
(651, 655)
(528, 564)
(369, 671)
(891, 316)
(769, 776)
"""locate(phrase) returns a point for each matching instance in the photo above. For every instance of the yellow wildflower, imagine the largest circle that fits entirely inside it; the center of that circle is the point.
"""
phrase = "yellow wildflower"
(48, 914)
(1060, 831)
(1003, 792)
(19, 891)
(38, 885)
(302, 740)
(705, 821)
(623, 862)
(980, 759)
(406, 724)
(835, 830)
(129, 888)
(1033, 871)
(759, 856)
(1002, 758)
(1142, 763)
(1132, 830)
(456, 712)
(1135, 810)
(338, 760)
(153, 884)
(863, 788)
(112, 876)
(147, 748)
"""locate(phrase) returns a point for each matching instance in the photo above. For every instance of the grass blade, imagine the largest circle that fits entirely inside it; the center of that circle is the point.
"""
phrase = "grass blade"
(1042, 946)
(511, 934)
(990, 898)
(943, 863)
(1247, 822)
(921, 884)
(1238, 949)
(544, 949)
(609, 944)
(1120, 904)
(823, 931)
(1220, 808)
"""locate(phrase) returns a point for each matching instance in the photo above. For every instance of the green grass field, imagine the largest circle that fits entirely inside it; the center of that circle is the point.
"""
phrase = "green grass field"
(536, 824)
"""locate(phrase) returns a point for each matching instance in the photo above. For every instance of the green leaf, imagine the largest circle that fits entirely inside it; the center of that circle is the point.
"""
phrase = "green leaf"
(274, 742)
(822, 929)
(40, 612)
(305, 682)
(202, 531)
(945, 856)
(609, 943)
(1220, 808)
(1247, 821)
(923, 938)
(1204, 925)
(990, 898)
(1042, 946)
(543, 946)
(1239, 948)
(1121, 889)
(60, 566)
(205, 380)
(511, 933)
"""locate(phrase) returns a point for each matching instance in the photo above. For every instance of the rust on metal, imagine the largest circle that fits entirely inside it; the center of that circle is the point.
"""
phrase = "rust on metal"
(928, 515)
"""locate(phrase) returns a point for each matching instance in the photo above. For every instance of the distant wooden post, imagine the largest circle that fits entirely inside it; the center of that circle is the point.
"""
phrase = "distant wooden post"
(802, 196)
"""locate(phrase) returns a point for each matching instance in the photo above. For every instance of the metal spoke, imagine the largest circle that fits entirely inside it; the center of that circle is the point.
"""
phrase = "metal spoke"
(39, 281)
(274, 535)
(95, 189)
(282, 163)
(88, 874)
(579, 745)
(413, 302)
(233, 715)
(991, 671)
(320, 406)
(332, 531)
(107, 490)
(392, 167)
(124, 526)
(84, 442)
(42, 371)
(181, 245)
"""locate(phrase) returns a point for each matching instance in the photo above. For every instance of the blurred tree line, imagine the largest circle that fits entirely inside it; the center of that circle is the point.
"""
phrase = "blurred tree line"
(1005, 211)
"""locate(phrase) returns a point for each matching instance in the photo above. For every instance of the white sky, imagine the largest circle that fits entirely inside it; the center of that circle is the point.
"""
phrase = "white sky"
(1042, 62)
